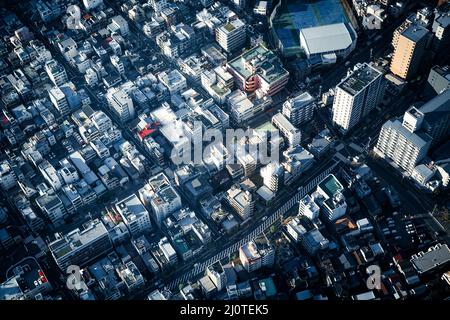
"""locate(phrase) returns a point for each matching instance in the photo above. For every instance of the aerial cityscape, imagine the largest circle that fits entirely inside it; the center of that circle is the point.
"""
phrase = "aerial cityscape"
(228, 150)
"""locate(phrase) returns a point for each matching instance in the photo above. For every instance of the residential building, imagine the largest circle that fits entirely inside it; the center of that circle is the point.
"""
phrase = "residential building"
(59, 101)
(273, 176)
(299, 109)
(120, 104)
(308, 208)
(134, 215)
(161, 196)
(404, 143)
(291, 133)
(241, 201)
(257, 253)
(356, 95)
(409, 51)
(8, 178)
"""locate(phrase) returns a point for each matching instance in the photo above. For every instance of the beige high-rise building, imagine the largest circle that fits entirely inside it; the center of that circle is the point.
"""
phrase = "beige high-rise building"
(409, 51)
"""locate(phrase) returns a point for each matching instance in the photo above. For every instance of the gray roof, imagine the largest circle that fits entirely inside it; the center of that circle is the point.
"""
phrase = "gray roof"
(415, 32)
(435, 257)
(327, 38)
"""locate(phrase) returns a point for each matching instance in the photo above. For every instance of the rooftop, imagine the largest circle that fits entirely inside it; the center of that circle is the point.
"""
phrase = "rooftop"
(261, 61)
(359, 79)
(78, 238)
(327, 38)
(435, 257)
(330, 185)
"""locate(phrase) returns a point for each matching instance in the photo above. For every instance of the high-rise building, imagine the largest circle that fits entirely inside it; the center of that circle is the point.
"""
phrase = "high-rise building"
(232, 35)
(79, 247)
(299, 109)
(409, 51)
(134, 215)
(359, 93)
(56, 72)
(404, 143)
(121, 104)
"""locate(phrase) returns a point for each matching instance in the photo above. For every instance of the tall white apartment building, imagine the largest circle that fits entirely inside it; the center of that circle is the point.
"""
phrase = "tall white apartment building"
(404, 143)
(232, 35)
(134, 215)
(299, 109)
(359, 93)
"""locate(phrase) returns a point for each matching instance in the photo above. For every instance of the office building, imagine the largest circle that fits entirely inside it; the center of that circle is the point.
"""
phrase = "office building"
(299, 109)
(434, 259)
(168, 251)
(409, 51)
(356, 95)
(134, 215)
(329, 194)
(80, 247)
(232, 35)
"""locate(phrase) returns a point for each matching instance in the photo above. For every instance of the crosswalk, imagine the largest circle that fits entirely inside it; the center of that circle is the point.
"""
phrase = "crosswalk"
(302, 191)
